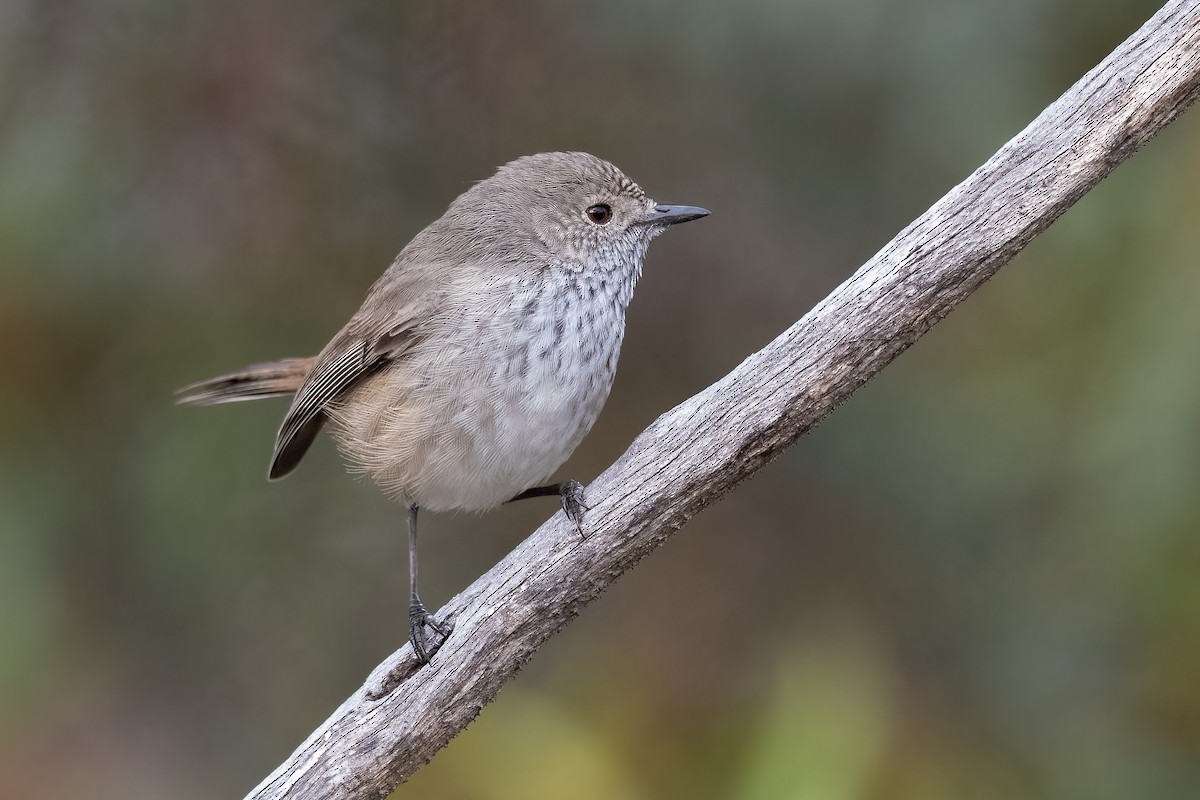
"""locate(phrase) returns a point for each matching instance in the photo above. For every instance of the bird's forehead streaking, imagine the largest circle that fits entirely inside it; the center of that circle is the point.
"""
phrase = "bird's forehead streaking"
(566, 178)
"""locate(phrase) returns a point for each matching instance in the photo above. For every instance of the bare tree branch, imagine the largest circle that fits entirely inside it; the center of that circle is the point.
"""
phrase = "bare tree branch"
(702, 448)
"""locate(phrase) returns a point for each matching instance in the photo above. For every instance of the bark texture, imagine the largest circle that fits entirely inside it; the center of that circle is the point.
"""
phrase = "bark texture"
(698, 451)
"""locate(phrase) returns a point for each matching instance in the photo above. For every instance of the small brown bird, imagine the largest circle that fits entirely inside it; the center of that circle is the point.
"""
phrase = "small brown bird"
(484, 353)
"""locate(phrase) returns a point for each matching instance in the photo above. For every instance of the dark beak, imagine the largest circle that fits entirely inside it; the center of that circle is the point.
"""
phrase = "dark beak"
(672, 215)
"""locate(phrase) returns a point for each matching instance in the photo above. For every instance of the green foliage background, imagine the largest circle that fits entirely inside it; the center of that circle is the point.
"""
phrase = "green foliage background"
(977, 579)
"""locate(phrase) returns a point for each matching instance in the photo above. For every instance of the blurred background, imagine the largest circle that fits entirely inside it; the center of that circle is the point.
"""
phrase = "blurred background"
(978, 578)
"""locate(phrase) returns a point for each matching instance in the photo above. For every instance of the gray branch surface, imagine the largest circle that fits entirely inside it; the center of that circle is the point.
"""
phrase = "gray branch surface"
(698, 451)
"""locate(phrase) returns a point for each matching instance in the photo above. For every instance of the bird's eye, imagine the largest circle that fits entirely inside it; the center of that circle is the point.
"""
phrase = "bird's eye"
(599, 214)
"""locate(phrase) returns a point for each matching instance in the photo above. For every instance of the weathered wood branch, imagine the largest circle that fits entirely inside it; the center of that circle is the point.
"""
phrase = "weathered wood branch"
(702, 448)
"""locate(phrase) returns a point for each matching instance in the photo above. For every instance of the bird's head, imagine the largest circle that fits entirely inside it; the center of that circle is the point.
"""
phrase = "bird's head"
(585, 213)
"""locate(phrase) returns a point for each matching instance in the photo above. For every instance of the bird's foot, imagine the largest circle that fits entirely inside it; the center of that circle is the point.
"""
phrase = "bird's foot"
(425, 633)
(573, 505)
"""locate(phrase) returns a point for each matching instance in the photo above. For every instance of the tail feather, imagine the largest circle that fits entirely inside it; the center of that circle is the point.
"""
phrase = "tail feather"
(269, 379)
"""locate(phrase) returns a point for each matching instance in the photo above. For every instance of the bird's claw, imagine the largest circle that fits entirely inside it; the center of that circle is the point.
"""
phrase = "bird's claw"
(425, 633)
(573, 505)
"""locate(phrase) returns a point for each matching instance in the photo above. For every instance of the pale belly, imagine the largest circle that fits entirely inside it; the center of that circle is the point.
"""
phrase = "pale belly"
(458, 431)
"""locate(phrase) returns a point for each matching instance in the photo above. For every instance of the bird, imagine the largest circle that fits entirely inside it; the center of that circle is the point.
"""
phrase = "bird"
(482, 356)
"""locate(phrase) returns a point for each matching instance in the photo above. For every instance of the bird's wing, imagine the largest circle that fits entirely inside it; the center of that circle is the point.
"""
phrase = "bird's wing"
(373, 338)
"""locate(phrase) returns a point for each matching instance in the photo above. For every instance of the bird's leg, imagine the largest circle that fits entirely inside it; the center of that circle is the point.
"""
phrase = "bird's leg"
(424, 643)
(570, 493)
